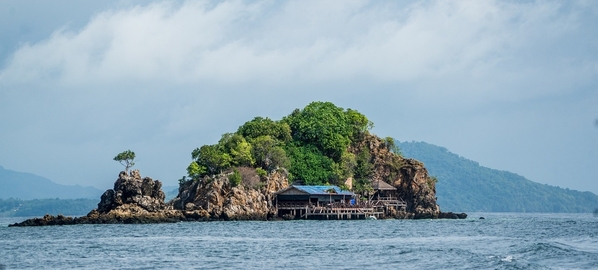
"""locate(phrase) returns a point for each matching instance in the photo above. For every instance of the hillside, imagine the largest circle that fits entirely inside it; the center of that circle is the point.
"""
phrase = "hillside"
(40, 207)
(26, 186)
(464, 185)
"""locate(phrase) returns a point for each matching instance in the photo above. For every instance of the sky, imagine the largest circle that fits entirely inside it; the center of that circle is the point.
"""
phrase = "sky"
(512, 85)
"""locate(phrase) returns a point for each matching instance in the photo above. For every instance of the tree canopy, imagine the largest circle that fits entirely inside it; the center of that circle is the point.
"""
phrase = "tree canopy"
(126, 158)
(312, 143)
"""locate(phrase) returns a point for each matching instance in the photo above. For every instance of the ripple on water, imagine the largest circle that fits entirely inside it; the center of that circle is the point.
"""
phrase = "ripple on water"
(501, 241)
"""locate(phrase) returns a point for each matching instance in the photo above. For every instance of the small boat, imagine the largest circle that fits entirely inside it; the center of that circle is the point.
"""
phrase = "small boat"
(371, 218)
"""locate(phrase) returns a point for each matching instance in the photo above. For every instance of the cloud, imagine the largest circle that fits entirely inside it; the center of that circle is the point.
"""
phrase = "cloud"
(165, 77)
(234, 43)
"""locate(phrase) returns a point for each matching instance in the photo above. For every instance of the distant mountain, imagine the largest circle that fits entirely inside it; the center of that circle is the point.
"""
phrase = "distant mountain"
(171, 192)
(464, 185)
(26, 186)
(40, 207)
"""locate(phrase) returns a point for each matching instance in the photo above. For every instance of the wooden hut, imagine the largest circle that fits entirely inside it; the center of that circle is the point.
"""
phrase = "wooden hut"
(298, 201)
(386, 198)
(383, 190)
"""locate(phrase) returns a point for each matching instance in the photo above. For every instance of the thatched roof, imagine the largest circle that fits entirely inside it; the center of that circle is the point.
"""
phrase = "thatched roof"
(381, 185)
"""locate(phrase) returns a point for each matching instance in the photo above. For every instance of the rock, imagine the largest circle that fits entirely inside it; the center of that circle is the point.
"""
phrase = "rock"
(220, 201)
(131, 189)
(409, 176)
(133, 200)
(451, 215)
(141, 200)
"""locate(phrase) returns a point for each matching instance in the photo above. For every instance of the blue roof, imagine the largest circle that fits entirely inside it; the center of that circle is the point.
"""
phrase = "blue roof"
(321, 190)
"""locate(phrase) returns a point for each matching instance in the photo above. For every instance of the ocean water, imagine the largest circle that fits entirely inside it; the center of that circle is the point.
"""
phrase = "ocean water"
(500, 241)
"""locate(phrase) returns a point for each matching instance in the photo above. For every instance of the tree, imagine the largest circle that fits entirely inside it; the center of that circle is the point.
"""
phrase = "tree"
(392, 146)
(126, 158)
(323, 125)
(363, 171)
(237, 148)
(267, 154)
(211, 158)
(265, 127)
(195, 171)
(310, 166)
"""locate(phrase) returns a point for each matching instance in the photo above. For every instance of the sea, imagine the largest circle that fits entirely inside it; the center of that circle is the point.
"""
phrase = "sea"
(499, 241)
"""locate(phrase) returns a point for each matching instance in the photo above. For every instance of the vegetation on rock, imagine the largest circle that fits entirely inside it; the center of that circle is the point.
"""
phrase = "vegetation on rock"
(126, 158)
(313, 144)
(321, 144)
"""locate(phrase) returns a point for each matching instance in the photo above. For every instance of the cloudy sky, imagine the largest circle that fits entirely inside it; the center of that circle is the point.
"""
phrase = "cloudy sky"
(510, 84)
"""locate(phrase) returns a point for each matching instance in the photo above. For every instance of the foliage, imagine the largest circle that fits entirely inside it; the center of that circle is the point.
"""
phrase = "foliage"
(268, 154)
(195, 171)
(312, 143)
(390, 144)
(265, 127)
(466, 186)
(346, 167)
(327, 127)
(431, 181)
(183, 180)
(211, 159)
(261, 172)
(237, 148)
(310, 165)
(363, 171)
(126, 158)
(358, 122)
(235, 178)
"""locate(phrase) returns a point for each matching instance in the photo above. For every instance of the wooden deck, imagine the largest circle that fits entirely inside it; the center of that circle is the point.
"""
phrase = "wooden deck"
(362, 210)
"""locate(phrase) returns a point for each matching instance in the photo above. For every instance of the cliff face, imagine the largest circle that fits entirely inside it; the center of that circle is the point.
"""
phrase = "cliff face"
(132, 190)
(141, 200)
(409, 176)
(133, 200)
(215, 198)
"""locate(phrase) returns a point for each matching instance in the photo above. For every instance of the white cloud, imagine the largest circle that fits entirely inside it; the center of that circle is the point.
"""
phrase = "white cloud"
(236, 42)
(169, 76)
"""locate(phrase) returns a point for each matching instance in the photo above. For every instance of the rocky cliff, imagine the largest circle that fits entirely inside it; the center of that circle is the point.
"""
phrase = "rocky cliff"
(141, 200)
(215, 197)
(409, 176)
(133, 200)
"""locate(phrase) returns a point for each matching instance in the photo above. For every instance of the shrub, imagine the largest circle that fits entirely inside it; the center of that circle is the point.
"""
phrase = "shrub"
(235, 178)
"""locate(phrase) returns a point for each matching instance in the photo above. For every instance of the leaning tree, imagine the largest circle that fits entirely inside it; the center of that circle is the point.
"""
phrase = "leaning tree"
(126, 158)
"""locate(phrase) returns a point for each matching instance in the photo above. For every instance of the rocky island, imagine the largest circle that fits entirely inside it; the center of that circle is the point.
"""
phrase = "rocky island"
(323, 159)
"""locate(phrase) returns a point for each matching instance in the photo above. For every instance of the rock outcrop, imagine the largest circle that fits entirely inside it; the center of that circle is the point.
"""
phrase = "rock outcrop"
(132, 190)
(141, 200)
(216, 199)
(409, 176)
(133, 200)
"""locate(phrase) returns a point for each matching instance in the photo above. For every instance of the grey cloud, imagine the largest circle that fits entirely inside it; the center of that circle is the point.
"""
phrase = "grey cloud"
(161, 78)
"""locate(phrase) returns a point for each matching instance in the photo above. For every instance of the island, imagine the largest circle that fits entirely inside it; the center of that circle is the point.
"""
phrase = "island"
(319, 162)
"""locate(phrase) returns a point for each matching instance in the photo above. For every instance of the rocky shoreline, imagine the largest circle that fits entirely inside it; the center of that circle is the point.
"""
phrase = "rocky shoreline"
(136, 200)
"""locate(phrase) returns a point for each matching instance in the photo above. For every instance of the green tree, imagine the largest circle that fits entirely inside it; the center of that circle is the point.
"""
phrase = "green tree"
(212, 158)
(323, 125)
(195, 171)
(363, 170)
(126, 158)
(238, 148)
(268, 154)
(359, 123)
(392, 146)
(310, 166)
(260, 126)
